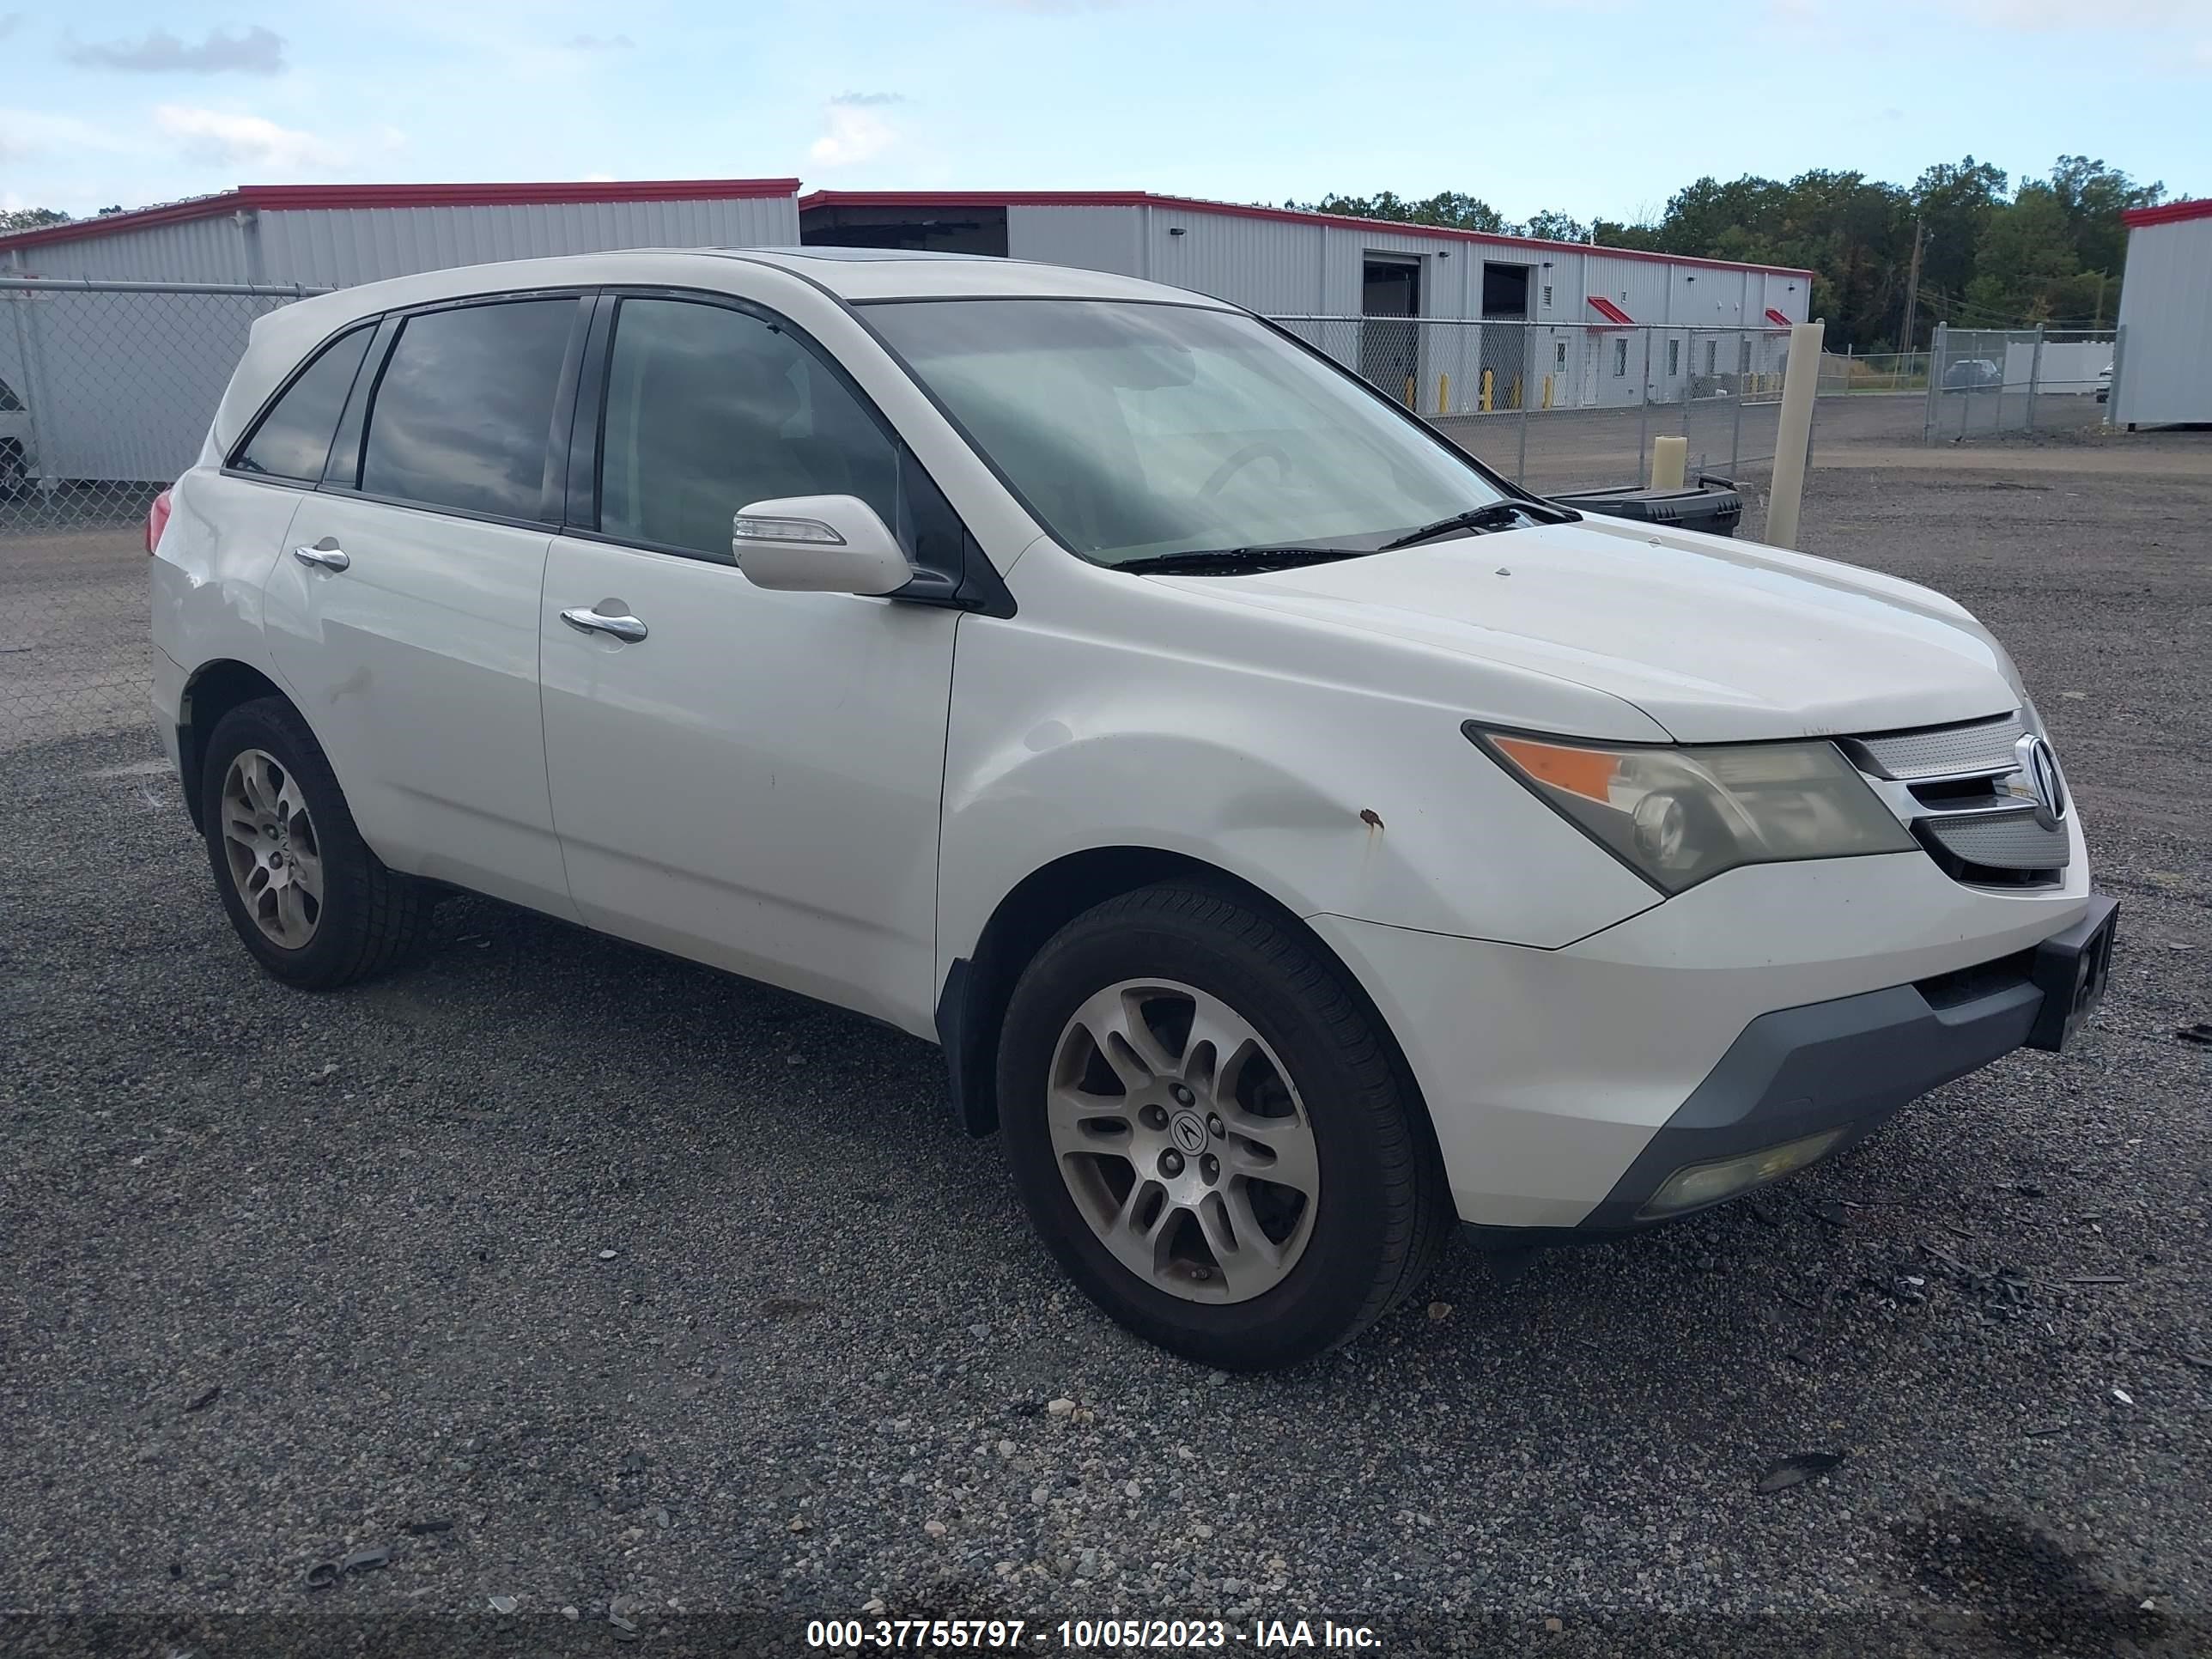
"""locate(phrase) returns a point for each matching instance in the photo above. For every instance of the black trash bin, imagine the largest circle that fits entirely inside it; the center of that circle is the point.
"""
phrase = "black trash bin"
(1712, 505)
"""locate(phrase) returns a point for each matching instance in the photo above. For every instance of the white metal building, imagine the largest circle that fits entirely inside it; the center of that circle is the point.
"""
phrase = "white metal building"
(120, 386)
(1593, 313)
(336, 235)
(2164, 374)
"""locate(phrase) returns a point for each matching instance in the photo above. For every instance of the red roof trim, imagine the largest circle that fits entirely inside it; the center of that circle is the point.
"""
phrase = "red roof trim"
(277, 198)
(1610, 312)
(1780, 319)
(971, 199)
(2167, 213)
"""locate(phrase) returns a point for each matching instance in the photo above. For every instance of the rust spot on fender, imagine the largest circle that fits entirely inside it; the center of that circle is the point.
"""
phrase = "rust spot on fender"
(1369, 817)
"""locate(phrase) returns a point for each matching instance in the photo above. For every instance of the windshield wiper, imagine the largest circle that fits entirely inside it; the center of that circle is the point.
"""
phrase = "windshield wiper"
(1238, 561)
(1498, 515)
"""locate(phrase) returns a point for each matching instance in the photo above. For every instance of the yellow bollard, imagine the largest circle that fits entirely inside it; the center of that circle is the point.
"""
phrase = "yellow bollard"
(1444, 394)
(1515, 402)
(1410, 404)
(1487, 376)
(1547, 392)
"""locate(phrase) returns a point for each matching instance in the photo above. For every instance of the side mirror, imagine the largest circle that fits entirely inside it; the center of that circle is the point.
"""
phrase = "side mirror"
(818, 545)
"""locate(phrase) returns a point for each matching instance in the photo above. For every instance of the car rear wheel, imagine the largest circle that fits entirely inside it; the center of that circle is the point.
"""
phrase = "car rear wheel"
(1211, 1135)
(308, 899)
(15, 470)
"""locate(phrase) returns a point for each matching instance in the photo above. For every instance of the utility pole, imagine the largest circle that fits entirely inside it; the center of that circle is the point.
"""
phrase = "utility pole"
(1912, 289)
(2100, 301)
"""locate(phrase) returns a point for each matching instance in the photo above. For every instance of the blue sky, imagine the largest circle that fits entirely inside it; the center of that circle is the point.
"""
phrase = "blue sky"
(1593, 107)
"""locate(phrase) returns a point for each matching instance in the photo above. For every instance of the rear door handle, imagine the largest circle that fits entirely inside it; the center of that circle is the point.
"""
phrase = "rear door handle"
(326, 553)
(585, 620)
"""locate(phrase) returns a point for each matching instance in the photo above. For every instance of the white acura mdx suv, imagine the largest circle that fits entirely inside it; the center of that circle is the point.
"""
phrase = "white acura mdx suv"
(1298, 839)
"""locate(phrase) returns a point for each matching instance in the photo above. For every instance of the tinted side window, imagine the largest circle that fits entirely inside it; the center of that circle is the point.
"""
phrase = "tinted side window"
(9, 402)
(708, 410)
(294, 439)
(464, 409)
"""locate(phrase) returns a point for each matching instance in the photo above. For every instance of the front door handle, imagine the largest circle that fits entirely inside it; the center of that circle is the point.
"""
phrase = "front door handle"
(623, 627)
(326, 553)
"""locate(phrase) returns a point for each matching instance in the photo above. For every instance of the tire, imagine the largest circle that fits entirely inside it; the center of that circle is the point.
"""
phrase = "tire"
(15, 471)
(1342, 1240)
(360, 919)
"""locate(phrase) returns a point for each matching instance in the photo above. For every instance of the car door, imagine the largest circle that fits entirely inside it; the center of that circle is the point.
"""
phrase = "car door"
(404, 612)
(751, 778)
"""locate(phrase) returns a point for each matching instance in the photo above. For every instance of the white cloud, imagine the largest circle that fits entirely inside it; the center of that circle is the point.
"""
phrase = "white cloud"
(30, 132)
(852, 134)
(221, 139)
(869, 97)
(255, 51)
(598, 43)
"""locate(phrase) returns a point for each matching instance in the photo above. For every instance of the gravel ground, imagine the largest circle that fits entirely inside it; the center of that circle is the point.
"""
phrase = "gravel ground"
(576, 1275)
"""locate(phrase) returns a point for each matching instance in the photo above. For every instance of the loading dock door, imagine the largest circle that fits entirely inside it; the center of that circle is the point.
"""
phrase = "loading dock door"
(1505, 355)
(1389, 352)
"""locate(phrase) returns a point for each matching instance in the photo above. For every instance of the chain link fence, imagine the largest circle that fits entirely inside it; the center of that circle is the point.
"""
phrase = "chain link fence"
(1558, 408)
(1879, 374)
(1983, 381)
(105, 392)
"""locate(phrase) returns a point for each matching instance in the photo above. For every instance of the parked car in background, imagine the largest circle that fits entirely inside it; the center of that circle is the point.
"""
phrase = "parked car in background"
(1973, 374)
(2104, 384)
(14, 443)
(1299, 840)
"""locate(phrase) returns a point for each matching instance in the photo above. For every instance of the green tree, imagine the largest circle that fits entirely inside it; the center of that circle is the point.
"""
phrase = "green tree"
(15, 219)
(2093, 197)
(1449, 208)
(1553, 227)
(2024, 261)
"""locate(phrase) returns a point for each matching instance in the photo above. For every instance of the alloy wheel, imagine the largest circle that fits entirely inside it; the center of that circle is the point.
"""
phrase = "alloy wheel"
(1182, 1141)
(270, 844)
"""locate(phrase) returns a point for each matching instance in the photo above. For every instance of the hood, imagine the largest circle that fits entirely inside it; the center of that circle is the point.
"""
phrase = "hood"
(1718, 641)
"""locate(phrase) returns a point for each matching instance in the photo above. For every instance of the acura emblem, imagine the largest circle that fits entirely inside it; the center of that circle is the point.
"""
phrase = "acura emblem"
(2038, 780)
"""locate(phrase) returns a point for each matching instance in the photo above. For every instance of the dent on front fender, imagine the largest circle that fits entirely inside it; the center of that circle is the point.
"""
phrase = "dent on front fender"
(1325, 798)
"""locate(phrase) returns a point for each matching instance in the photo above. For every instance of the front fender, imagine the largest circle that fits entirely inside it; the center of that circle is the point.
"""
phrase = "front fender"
(1346, 788)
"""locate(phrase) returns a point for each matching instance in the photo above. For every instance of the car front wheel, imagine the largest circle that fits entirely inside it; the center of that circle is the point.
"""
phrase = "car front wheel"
(1211, 1135)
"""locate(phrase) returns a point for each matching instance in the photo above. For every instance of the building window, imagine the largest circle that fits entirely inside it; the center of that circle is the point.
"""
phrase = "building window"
(1674, 358)
(1621, 356)
(1711, 347)
(1558, 354)
(1547, 296)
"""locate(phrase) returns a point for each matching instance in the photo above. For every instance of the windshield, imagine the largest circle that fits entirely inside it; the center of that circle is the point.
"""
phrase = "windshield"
(1134, 430)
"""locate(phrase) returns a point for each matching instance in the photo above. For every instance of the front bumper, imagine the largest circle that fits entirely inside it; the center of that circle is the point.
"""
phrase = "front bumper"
(1833, 1072)
(1771, 1003)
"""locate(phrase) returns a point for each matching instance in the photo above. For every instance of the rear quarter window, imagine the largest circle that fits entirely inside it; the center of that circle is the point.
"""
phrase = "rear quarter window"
(293, 439)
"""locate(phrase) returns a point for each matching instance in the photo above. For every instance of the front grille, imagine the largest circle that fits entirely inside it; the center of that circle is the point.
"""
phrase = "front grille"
(1951, 785)
(1943, 752)
(2002, 840)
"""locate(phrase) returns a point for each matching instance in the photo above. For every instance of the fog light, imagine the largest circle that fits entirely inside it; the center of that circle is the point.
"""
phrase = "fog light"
(1695, 1185)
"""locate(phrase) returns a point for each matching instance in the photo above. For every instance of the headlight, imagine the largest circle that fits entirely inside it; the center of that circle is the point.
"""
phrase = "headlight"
(1677, 816)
